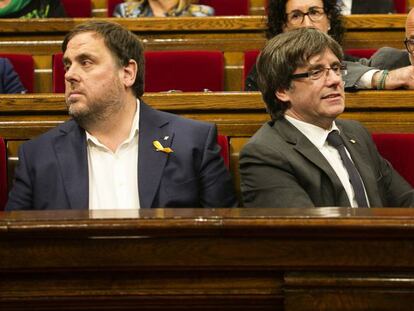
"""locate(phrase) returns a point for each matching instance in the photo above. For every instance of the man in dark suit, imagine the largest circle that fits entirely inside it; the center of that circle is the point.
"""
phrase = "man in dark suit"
(117, 152)
(9, 80)
(301, 157)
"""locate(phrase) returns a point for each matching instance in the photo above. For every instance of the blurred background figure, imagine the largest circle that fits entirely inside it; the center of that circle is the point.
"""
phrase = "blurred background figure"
(161, 8)
(366, 7)
(9, 80)
(31, 9)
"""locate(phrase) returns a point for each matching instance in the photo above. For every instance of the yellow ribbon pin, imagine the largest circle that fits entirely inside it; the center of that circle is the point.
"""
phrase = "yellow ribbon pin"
(159, 147)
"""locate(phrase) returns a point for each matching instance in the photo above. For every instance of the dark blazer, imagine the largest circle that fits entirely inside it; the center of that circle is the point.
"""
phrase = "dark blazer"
(9, 79)
(53, 168)
(389, 58)
(280, 167)
(372, 7)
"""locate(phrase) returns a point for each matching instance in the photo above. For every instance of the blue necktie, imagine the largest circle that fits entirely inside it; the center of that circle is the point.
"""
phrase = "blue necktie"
(335, 140)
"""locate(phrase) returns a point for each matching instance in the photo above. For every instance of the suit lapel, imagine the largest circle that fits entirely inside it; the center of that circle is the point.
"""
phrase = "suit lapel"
(293, 136)
(362, 162)
(71, 154)
(154, 125)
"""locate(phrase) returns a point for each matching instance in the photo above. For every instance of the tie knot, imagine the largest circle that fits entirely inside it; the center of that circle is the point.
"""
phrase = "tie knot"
(334, 139)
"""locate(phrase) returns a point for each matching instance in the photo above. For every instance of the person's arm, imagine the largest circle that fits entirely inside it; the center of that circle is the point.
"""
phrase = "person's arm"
(10, 79)
(267, 179)
(396, 79)
(216, 186)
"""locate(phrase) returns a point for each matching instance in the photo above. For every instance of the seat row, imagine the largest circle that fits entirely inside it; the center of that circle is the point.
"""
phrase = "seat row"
(187, 71)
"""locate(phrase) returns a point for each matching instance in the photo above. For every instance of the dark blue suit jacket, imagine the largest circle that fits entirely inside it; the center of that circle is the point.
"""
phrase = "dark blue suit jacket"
(53, 168)
(9, 79)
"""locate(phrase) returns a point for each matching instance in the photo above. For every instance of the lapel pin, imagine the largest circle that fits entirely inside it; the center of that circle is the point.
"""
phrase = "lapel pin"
(166, 137)
(352, 141)
(159, 147)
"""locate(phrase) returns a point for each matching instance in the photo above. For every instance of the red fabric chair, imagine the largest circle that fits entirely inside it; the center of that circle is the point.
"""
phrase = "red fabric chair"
(223, 142)
(398, 149)
(77, 8)
(188, 71)
(24, 66)
(111, 4)
(228, 7)
(3, 174)
(249, 60)
(58, 73)
(362, 53)
(400, 6)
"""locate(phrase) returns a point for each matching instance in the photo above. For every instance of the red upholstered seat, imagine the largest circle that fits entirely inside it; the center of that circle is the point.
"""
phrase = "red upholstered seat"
(58, 73)
(77, 8)
(400, 6)
(398, 149)
(3, 174)
(228, 7)
(111, 4)
(223, 142)
(249, 60)
(187, 71)
(362, 53)
(24, 66)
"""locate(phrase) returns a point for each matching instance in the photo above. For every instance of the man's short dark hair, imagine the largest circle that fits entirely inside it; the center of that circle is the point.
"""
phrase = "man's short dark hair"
(122, 43)
(277, 18)
(282, 55)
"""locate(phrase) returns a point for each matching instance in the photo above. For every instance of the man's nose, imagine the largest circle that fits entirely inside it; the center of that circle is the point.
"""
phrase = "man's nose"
(71, 73)
(332, 78)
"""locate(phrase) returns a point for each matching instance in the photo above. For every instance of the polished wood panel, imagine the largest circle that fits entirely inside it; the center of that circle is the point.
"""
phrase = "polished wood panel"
(196, 259)
(232, 35)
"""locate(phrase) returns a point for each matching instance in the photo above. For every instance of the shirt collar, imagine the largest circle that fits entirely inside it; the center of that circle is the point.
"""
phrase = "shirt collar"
(133, 132)
(315, 134)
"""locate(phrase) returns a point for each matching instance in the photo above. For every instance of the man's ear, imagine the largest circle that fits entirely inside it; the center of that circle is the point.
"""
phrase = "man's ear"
(283, 95)
(130, 73)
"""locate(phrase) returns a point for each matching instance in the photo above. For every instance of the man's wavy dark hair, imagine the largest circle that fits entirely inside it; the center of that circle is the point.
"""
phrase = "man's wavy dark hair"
(277, 18)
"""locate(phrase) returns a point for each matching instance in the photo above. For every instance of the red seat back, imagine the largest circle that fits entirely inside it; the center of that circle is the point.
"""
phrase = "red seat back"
(58, 73)
(361, 53)
(77, 8)
(223, 142)
(188, 71)
(400, 6)
(3, 174)
(24, 66)
(249, 60)
(111, 4)
(228, 7)
(398, 149)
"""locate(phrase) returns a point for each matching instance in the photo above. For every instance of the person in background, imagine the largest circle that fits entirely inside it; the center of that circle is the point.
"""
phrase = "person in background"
(284, 15)
(117, 152)
(305, 156)
(9, 80)
(161, 8)
(31, 9)
(366, 7)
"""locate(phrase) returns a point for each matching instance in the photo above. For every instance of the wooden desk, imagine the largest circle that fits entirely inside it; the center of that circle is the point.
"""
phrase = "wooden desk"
(232, 35)
(202, 259)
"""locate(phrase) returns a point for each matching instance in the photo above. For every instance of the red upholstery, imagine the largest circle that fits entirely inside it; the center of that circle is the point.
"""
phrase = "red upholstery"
(400, 6)
(24, 66)
(228, 7)
(111, 4)
(398, 149)
(58, 74)
(223, 142)
(362, 53)
(3, 174)
(188, 71)
(77, 8)
(249, 60)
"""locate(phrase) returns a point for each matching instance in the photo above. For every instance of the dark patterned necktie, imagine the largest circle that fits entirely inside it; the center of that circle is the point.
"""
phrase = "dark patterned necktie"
(356, 182)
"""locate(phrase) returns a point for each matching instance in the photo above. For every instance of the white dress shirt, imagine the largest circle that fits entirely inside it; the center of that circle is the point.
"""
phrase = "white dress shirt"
(346, 6)
(317, 136)
(113, 176)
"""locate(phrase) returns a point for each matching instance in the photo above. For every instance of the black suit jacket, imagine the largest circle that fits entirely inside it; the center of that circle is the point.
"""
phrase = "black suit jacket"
(280, 167)
(53, 168)
(372, 7)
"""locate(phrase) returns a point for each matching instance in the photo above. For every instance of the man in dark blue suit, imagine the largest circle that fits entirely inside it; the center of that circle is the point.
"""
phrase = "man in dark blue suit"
(117, 152)
(9, 80)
